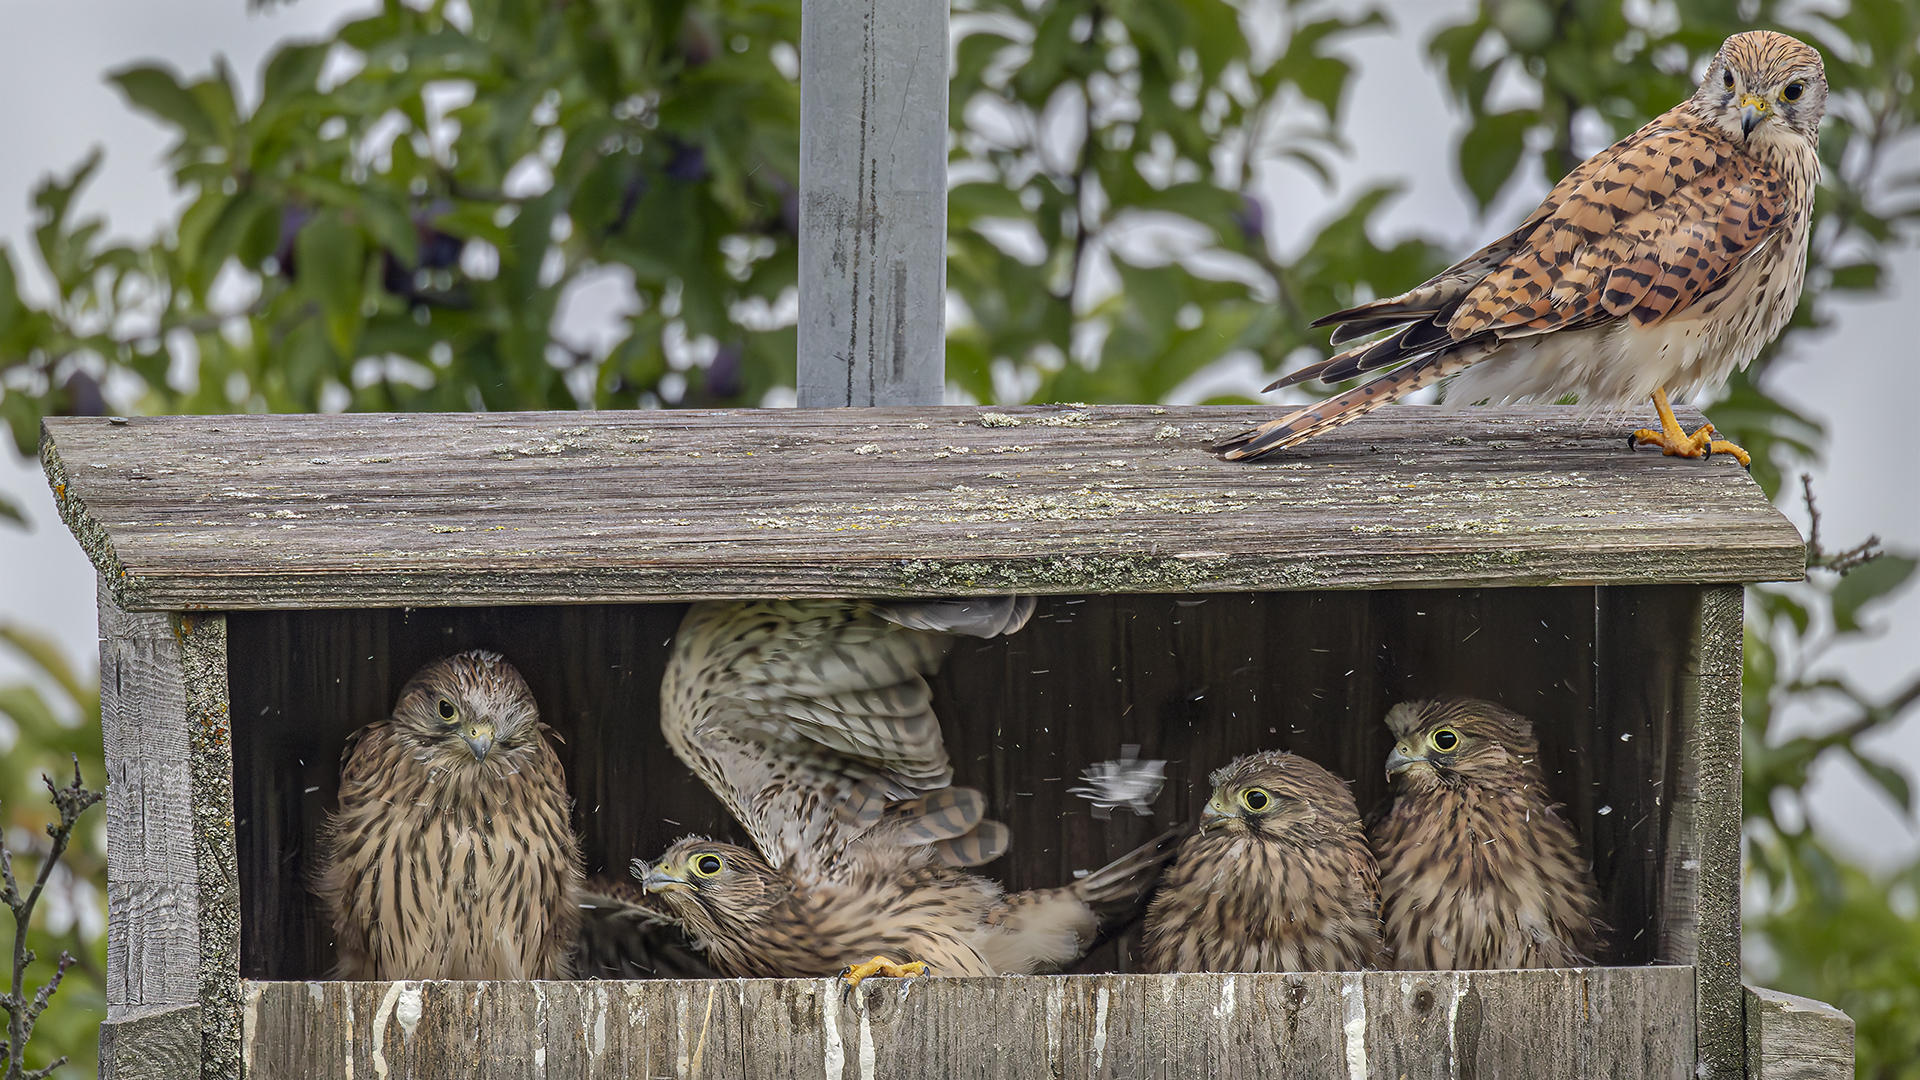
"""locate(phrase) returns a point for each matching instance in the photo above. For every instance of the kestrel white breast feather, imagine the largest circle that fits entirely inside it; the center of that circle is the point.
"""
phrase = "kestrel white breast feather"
(1658, 266)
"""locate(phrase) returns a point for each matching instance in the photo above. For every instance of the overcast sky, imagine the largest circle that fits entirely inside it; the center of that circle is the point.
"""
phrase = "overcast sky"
(1863, 380)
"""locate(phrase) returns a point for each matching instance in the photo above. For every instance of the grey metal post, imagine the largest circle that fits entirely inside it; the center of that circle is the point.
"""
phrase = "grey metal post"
(873, 202)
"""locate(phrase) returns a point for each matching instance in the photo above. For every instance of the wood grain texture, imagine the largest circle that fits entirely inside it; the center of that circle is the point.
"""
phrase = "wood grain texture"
(1194, 680)
(243, 512)
(1485, 1025)
(153, 894)
(1796, 1038)
(1711, 721)
(152, 1044)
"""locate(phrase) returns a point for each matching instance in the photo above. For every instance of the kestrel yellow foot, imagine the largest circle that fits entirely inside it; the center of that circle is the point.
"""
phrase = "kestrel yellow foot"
(884, 968)
(1674, 441)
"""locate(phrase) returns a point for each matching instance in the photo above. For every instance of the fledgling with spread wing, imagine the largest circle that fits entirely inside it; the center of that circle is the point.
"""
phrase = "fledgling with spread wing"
(452, 856)
(1658, 266)
(1477, 869)
(1279, 878)
(812, 721)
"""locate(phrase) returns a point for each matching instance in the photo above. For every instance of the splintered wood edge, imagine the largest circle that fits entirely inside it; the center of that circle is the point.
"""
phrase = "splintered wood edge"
(1766, 549)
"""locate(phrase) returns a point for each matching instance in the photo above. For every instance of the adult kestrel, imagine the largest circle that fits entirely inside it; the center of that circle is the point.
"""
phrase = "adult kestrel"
(1658, 266)
(452, 855)
(812, 721)
(1477, 870)
(1279, 878)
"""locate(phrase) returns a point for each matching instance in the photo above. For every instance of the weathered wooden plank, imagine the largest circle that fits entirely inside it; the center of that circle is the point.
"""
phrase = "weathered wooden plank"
(1591, 1022)
(1796, 1038)
(151, 1044)
(241, 512)
(1712, 724)
(172, 882)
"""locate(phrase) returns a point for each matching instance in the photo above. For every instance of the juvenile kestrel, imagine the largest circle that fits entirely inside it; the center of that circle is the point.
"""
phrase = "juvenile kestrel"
(1477, 870)
(452, 856)
(1658, 266)
(812, 722)
(1279, 877)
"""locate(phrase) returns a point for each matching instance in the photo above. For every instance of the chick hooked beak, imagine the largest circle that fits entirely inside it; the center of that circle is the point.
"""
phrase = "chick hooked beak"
(1212, 817)
(657, 879)
(479, 739)
(1398, 762)
(1753, 109)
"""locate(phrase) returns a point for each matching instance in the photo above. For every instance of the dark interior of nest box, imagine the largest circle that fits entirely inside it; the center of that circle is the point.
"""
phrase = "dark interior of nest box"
(1194, 680)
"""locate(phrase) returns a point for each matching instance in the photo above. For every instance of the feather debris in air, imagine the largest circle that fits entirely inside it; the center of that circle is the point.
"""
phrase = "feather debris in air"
(1128, 782)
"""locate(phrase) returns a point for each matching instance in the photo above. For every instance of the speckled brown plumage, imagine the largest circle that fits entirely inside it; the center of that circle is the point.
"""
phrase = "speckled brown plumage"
(1278, 879)
(812, 722)
(1659, 265)
(451, 856)
(1477, 869)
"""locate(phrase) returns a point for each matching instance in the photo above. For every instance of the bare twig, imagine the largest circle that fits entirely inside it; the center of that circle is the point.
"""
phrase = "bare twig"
(1839, 562)
(71, 801)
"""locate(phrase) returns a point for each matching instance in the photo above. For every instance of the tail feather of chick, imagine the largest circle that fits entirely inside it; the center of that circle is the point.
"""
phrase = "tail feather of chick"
(1342, 409)
(624, 936)
(1118, 892)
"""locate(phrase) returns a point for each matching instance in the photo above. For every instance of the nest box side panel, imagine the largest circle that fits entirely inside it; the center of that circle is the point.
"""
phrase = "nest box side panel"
(173, 912)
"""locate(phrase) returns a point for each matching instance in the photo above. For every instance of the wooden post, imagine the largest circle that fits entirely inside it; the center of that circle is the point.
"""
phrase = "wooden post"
(873, 202)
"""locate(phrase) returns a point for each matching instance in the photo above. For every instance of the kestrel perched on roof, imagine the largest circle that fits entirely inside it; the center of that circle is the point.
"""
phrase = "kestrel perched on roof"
(812, 721)
(1657, 267)
(1279, 878)
(1477, 869)
(452, 855)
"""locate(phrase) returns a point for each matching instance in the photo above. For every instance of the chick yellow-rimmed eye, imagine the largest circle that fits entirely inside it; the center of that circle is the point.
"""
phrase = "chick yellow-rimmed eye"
(447, 711)
(1793, 91)
(1726, 78)
(1445, 740)
(1256, 799)
(708, 865)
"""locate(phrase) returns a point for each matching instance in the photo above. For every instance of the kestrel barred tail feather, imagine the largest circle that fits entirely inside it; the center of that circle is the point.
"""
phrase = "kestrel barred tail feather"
(1657, 267)
(812, 721)
(452, 855)
(1279, 878)
(1477, 868)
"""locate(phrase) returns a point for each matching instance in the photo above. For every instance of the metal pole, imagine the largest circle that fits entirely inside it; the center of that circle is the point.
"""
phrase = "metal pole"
(873, 202)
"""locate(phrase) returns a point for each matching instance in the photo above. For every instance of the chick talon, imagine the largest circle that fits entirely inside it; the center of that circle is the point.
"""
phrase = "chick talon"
(883, 968)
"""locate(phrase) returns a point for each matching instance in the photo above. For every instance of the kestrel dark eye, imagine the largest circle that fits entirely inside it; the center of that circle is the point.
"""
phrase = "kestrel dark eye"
(447, 710)
(1445, 740)
(1793, 91)
(708, 865)
(1255, 799)
(1726, 77)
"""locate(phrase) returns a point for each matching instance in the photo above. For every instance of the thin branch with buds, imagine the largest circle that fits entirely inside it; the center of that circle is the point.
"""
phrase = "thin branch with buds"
(1839, 562)
(71, 801)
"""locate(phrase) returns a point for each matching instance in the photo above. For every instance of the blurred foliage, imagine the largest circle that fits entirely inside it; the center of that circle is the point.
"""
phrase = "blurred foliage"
(45, 721)
(399, 217)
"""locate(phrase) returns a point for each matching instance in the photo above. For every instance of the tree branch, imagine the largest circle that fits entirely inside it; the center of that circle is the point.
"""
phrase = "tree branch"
(71, 801)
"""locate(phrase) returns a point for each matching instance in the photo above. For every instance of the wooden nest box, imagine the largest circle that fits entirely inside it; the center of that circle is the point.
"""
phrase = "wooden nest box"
(267, 582)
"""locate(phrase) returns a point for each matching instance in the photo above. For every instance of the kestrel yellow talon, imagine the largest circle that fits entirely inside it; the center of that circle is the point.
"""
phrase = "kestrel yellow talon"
(1673, 440)
(883, 968)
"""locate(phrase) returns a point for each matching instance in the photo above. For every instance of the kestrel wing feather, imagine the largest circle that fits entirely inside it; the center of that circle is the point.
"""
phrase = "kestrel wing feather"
(1650, 227)
(812, 720)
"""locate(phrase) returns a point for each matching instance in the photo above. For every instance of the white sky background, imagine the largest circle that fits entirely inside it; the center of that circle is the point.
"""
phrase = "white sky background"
(1863, 379)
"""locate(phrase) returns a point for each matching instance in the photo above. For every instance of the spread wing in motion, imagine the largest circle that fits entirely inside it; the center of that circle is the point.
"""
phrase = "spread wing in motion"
(812, 721)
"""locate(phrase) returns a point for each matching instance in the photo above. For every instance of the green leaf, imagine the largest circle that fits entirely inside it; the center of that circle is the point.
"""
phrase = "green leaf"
(12, 512)
(1490, 151)
(331, 263)
(1866, 585)
(1889, 779)
(155, 90)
